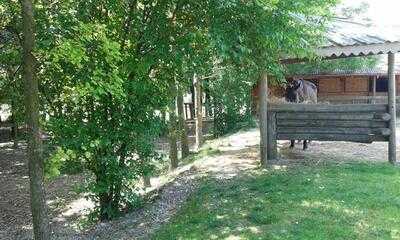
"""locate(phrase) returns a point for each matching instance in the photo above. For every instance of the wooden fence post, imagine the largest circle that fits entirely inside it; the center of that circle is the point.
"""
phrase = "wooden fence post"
(263, 92)
(271, 132)
(392, 107)
(373, 90)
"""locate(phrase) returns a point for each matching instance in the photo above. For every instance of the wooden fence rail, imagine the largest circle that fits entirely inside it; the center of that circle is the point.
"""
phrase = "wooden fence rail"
(364, 123)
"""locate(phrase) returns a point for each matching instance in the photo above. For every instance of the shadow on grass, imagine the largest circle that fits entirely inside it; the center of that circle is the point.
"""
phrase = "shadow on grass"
(330, 201)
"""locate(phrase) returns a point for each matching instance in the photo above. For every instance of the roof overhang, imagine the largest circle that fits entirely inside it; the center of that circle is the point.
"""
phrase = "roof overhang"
(336, 52)
(345, 39)
(358, 50)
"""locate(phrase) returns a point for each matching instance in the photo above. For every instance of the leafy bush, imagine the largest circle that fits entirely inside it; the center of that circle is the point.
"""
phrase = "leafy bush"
(107, 123)
(231, 99)
(52, 164)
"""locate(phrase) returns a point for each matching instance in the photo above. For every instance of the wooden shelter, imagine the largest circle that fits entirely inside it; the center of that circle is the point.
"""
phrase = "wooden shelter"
(344, 39)
(339, 86)
(365, 85)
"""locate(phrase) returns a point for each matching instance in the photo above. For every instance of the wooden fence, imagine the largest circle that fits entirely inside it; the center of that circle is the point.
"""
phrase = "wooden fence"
(355, 99)
(364, 123)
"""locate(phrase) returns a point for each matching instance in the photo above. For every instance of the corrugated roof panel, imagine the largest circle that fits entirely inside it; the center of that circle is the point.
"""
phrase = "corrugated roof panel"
(347, 33)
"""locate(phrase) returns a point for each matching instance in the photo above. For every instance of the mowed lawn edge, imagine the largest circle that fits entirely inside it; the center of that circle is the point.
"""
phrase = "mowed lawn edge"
(330, 201)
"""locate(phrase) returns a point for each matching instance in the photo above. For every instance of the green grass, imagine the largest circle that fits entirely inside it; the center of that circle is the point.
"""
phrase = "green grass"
(344, 201)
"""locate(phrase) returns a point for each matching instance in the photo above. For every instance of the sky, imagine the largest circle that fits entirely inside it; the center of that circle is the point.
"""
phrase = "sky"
(381, 12)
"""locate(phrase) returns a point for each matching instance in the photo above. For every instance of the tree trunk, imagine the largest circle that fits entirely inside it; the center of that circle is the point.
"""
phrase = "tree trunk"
(182, 127)
(146, 181)
(105, 202)
(15, 125)
(207, 103)
(191, 106)
(173, 148)
(15, 133)
(37, 194)
(199, 111)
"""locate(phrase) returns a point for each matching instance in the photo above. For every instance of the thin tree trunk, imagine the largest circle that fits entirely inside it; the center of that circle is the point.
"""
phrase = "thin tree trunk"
(182, 127)
(146, 181)
(199, 111)
(191, 106)
(37, 194)
(173, 147)
(15, 133)
(164, 121)
(15, 125)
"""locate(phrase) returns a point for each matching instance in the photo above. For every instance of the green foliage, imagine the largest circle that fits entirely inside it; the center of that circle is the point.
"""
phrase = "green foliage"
(346, 65)
(104, 120)
(61, 161)
(231, 99)
(106, 69)
(11, 86)
(334, 201)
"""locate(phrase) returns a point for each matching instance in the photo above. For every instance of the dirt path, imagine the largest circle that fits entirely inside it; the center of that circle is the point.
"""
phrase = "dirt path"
(15, 216)
(139, 224)
(237, 153)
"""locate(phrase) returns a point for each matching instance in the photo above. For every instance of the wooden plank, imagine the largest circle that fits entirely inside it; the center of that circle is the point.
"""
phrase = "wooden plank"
(333, 116)
(272, 143)
(383, 116)
(324, 108)
(392, 107)
(329, 123)
(334, 130)
(6, 125)
(334, 137)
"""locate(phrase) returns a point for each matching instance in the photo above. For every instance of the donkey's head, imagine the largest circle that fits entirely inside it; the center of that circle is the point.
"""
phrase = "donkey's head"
(292, 88)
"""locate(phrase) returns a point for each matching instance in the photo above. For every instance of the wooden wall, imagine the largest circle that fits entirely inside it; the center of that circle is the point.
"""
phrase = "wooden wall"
(340, 86)
(335, 86)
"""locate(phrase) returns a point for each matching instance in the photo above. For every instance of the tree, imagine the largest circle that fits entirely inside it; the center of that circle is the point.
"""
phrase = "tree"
(35, 156)
(182, 125)
(10, 65)
(173, 136)
(106, 68)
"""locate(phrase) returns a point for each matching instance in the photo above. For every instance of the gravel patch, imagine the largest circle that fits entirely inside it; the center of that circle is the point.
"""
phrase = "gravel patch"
(140, 224)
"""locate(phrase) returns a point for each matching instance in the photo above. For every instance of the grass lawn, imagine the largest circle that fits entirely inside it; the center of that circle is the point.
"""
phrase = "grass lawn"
(335, 201)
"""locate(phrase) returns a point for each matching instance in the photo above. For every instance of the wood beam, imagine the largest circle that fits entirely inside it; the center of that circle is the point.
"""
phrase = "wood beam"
(392, 107)
(264, 118)
(373, 89)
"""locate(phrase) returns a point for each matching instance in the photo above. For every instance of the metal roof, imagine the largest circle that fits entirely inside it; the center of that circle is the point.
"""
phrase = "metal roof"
(346, 38)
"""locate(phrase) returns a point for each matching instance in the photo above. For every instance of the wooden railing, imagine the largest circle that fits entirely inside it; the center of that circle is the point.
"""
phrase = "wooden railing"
(355, 99)
(348, 122)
